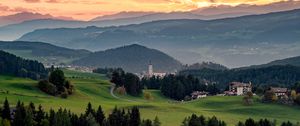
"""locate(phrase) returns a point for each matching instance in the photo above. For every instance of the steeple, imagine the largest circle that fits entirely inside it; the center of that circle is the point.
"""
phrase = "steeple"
(150, 69)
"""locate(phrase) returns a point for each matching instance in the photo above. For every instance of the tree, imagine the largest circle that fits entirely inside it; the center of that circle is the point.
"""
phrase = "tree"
(248, 98)
(19, 116)
(156, 122)
(293, 94)
(250, 122)
(146, 122)
(100, 117)
(288, 123)
(269, 96)
(6, 110)
(298, 99)
(135, 119)
(40, 116)
(89, 110)
(57, 78)
(132, 84)
(297, 87)
(91, 120)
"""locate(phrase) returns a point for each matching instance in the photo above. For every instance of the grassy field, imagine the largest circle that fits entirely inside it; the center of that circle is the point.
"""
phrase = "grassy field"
(95, 88)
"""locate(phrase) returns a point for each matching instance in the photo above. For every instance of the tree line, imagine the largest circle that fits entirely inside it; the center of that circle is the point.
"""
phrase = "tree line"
(284, 76)
(179, 87)
(16, 66)
(29, 115)
(195, 120)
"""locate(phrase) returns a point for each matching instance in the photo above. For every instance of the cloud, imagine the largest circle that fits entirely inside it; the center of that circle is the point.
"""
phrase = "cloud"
(32, 1)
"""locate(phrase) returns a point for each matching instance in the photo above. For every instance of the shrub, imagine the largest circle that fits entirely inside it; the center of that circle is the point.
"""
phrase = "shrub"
(148, 96)
(121, 90)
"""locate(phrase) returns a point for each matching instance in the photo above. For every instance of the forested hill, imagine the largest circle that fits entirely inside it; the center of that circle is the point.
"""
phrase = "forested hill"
(203, 65)
(16, 66)
(42, 49)
(294, 61)
(285, 75)
(132, 58)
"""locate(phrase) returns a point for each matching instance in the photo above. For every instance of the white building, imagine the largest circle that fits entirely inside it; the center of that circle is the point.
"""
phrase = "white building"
(151, 72)
(238, 88)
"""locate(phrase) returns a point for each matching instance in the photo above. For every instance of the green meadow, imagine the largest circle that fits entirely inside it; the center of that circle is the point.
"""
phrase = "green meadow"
(95, 88)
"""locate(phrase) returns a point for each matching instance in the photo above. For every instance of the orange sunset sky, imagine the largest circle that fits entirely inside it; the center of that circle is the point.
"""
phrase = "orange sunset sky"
(87, 9)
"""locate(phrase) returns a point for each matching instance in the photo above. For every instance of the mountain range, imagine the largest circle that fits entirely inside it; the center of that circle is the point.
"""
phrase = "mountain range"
(26, 16)
(28, 22)
(234, 42)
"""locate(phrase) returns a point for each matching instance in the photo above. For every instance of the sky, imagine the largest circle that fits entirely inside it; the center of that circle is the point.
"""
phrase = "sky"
(88, 9)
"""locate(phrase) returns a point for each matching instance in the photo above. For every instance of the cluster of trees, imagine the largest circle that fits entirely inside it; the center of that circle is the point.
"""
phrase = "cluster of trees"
(264, 122)
(57, 84)
(179, 87)
(107, 71)
(284, 76)
(30, 116)
(129, 81)
(13, 65)
(195, 120)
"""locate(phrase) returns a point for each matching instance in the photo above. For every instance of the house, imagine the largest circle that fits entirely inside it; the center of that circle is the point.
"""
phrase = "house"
(238, 88)
(198, 94)
(279, 91)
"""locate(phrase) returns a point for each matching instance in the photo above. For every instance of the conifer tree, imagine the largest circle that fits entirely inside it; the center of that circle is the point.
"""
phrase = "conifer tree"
(89, 110)
(100, 115)
(156, 122)
(40, 115)
(6, 110)
(135, 119)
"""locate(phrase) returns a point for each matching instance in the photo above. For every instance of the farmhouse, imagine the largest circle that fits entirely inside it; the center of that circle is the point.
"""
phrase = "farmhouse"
(199, 94)
(238, 88)
(279, 91)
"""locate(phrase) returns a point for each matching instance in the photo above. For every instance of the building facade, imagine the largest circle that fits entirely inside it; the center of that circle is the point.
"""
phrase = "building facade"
(238, 88)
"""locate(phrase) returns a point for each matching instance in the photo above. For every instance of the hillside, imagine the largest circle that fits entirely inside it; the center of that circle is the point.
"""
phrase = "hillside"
(229, 41)
(293, 61)
(94, 88)
(13, 65)
(205, 65)
(285, 76)
(132, 58)
(43, 52)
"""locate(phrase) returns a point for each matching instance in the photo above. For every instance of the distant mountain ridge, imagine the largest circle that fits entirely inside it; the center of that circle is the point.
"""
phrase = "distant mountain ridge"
(131, 58)
(231, 41)
(26, 16)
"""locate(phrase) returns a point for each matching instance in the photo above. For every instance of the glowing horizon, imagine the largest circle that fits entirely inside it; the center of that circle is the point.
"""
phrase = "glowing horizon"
(88, 9)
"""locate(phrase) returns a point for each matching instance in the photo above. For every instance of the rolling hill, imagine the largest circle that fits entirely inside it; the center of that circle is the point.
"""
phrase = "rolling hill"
(132, 58)
(42, 52)
(95, 88)
(230, 41)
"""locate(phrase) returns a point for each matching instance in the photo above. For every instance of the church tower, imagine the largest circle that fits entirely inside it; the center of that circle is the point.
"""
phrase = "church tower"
(150, 69)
